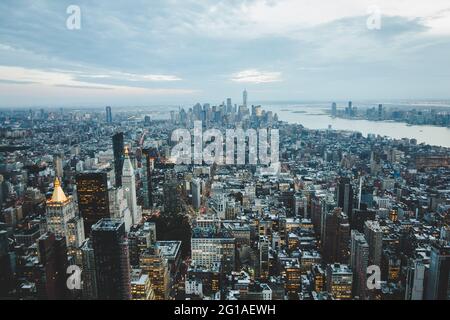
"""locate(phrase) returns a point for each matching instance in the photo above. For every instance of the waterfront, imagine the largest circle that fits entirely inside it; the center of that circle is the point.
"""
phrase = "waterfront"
(314, 117)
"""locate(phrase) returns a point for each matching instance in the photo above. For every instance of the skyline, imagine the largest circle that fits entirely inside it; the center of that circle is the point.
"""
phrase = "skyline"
(181, 52)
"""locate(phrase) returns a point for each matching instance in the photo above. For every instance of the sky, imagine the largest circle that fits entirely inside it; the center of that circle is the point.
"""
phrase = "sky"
(150, 52)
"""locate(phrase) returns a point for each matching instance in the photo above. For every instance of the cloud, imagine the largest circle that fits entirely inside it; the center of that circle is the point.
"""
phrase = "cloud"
(256, 76)
(67, 79)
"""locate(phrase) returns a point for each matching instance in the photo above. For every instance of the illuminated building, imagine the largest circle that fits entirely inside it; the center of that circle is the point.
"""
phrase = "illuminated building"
(141, 287)
(339, 281)
(149, 156)
(155, 266)
(263, 257)
(93, 199)
(62, 217)
(318, 278)
(291, 274)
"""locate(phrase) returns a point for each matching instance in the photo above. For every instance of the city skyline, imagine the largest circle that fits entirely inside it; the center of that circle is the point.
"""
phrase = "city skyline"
(184, 51)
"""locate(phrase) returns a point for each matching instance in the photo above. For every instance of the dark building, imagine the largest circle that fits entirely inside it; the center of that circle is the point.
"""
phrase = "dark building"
(336, 237)
(359, 217)
(112, 266)
(438, 287)
(93, 199)
(52, 267)
(149, 155)
(118, 149)
(108, 115)
(6, 276)
(345, 196)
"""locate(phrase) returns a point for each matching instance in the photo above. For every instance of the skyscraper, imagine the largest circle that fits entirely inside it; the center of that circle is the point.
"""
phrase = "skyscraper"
(149, 156)
(359, 259)
(52, 252)
(108, 115)
(345, 196)
(244, 98)
(334, 109)
(118, 149)
(112, 266)
(155, 266)
(196, 193)
(129, 185)
(93, 199)
(62, 217)
(415, 280)
(438, 285)
(374, 237)
(335, 237)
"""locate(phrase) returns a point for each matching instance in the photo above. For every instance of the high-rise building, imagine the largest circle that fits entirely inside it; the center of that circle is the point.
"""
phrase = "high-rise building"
(129, 187)
(334, 109)
(415, 280)
(339, 281)
(438, 284)
(108, 115)
(196, 193)
(210, 246)
(149, 156)
(62, 217)
(244, 98)
(88, 276)
(141, 287)
(345, 196)
(112, 264)
(359, 259)
(374, 237)
(6, 275)
(93, 199)
(336, 237)
(263, 257)
(58, 165)
(52, 253)
(118, 150)
(155, 266)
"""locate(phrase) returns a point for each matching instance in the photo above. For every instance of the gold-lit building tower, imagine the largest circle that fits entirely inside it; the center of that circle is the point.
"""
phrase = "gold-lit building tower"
(62, 217)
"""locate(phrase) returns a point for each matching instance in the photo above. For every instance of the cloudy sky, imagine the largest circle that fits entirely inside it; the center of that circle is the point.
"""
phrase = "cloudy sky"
(148, 52)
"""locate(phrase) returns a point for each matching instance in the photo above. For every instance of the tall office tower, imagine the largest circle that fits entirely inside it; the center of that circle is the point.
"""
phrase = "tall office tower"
(415, 280)
(108, 115)
(155, 266)
(196, 193)
(263, 247)
(118, 150)
(58, 165)
(112, 265)
(88, 276)
(339, 281)
(229, 106)
(438, 284)
(374, 237)
(118, 207)
(62, 217)
(129, 187)
(359, 259)
(335, 237)
(345, 196)
(140, 239)
(209, 247)
(380, 112)
(334, 109)
(149, 155)
(93, 200)
(52, 254)
(172, 203)
(6, 275)
(244, 98)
